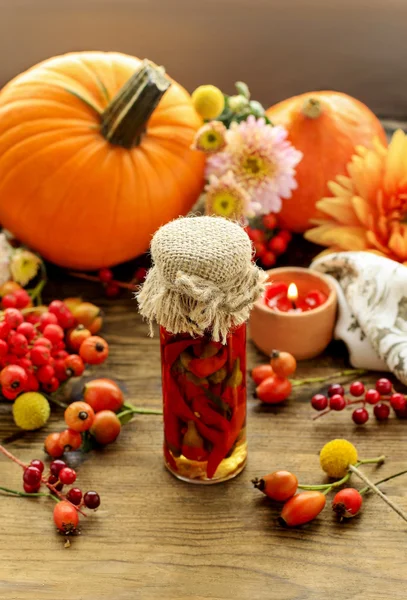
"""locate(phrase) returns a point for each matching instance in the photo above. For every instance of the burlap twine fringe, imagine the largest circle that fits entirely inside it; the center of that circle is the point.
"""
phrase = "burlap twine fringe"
(195, 305)
(187, 302)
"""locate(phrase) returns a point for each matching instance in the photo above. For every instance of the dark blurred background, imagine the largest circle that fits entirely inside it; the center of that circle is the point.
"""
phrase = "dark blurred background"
(279, 47)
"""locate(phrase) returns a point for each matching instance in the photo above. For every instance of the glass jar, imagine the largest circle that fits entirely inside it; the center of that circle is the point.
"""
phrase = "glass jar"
(204, 396)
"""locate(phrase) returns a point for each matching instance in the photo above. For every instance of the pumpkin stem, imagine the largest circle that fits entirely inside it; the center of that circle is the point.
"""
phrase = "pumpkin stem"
(312, 108)
(124, 120)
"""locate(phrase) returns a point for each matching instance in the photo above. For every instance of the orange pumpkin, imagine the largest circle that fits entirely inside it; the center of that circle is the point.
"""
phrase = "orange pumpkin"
(326, 127)
(83, 179)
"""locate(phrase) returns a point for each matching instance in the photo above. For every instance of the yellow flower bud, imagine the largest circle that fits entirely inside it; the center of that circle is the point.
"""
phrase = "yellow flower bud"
(208, 101)
(336, 456)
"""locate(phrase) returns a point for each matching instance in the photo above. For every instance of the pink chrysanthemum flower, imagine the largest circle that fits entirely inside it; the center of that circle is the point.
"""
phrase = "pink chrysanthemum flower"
(225, 197)
(262, 161)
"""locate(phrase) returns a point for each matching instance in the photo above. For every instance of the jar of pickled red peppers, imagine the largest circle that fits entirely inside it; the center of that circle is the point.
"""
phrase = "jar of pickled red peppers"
(200, 291)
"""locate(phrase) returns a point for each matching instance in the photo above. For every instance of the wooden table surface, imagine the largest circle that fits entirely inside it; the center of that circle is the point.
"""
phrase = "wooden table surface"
(155, 537)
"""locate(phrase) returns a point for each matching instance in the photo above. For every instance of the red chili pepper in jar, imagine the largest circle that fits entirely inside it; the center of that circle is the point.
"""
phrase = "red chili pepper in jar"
(193, 445)
(203, 367)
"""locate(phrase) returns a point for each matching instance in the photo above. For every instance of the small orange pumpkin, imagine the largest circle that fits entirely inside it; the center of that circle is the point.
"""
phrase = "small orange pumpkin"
(84, 179)
(326, 127)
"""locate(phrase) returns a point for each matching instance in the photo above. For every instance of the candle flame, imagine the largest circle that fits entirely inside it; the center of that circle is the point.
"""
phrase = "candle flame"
(292, 293)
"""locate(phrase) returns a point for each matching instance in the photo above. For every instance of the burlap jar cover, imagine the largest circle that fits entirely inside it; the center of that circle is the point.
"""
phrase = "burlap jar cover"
(203, 278)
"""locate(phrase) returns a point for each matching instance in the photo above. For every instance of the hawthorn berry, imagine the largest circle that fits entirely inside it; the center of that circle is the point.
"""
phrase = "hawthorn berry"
(13, 378)
(9, 301)
(47, 318)
(269, 221)
(3, 348)
(336, 388)
(27, 330)
(319, 402)
(22, 298)
(4, 330)
(112, 290)
(54, 333)
(18, 344)
(105, 275)
(45, 373)
(13, 317)
(260, 248)
(268, 259)
(32, 475)
(40, 355)
(51, 386)
(357, 389)
(38, 463)
(384, 386)
(277, 245)
(360, 416)
(256, 235)
(31, 489)
(91, 500)
(398, 401)
(75, 496)
(43, 341)
(56, 466)
(337, 402)
(381, 411)
(372, 396)
(67, 476)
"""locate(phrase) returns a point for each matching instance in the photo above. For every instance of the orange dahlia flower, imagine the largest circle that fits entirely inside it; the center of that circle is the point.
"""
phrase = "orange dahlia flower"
(368, 209)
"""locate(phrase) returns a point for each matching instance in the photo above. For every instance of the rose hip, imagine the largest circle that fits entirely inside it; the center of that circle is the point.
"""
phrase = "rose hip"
(347, 503)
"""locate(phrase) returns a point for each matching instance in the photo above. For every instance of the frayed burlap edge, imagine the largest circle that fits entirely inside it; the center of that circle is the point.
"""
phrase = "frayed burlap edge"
(197, 306)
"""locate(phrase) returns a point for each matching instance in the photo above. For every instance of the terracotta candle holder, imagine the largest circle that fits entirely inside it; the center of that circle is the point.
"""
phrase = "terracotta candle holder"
(303, 334)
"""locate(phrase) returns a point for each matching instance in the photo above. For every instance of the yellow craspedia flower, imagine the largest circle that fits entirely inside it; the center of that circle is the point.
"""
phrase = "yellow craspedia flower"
(208, 101)
(336, 456)
(31, 411)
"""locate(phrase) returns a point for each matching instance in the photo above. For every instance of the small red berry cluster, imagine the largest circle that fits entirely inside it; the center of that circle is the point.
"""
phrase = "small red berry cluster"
(33, 349)
(66, 512)
(17, 297)
(112, 286)
(382, 397)
(269, 242)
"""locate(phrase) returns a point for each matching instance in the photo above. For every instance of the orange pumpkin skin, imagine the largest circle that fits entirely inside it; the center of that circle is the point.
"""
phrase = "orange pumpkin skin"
(67, 192)
(327, 143)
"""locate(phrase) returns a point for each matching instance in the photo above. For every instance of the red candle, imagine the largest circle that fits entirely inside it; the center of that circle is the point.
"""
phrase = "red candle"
(282, 297)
